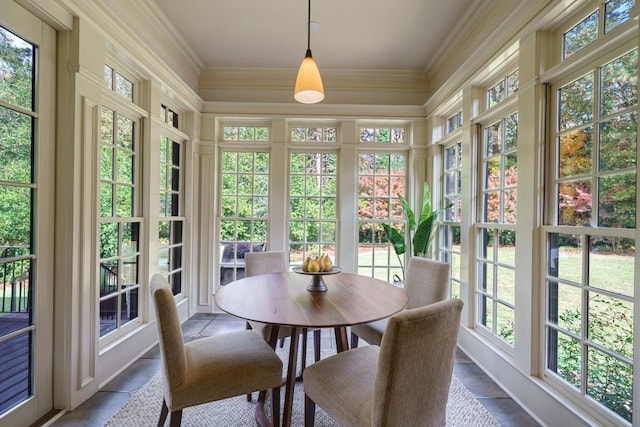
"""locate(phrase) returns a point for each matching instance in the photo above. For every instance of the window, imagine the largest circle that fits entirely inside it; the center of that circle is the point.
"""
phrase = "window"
(171, 216)
(120, 250)
(168, 116)
(118, 83)
(388, 135)
(244, 209)
(503, 89)
(18, 198)
(454, 122)
(382, 177)
(450, 227)
(587, 31)
(591, 259)
(312, 205)
(246, 133)
(497, 237)
(314, 134)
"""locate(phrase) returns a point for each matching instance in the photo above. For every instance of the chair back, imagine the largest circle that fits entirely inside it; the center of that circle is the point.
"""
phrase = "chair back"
(264, 263)
(174, 360)
(427, 281)
(415, 365)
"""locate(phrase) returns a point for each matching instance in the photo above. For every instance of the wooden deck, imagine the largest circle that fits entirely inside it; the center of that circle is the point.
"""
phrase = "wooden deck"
(15, 365)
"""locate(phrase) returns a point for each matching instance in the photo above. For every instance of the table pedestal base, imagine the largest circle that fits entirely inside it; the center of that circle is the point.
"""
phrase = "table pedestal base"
(317, 284)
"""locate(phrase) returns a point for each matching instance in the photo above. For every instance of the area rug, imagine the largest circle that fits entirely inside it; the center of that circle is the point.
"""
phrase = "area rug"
(143, 409)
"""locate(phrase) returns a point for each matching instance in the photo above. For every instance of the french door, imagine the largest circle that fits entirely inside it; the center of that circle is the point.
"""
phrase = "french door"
(27, 135)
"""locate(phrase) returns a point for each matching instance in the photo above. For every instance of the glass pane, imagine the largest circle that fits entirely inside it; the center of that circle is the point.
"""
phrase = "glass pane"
(125, 133)
(108, 315)
(124, 201)
(125, 167)
(505, 323)
(616, 12)
(584, 33)
(106, 125)
(16, 137)
(611, 264)
(383, 135)
(575, 157)
(106, 163)
(246, 133)
(610, 382)
(569, 308)
(366, 135)
(576, 102)
(230, 133)
(15, 301)
(610, 324)
(262, 134)
(619, 83)
(130, 272)
(513, 82)
(565, 257)
(506, 285)
(108, 77)
(511, 132)
(496, 94)
(486, 312)
(130, 238)
(618, 138)
(617, 201)
(568, 359)
(14, 376)
(124, 87)
(129, 306)
(493, 139)
(15, 217)
(574, 203)
(17, 70)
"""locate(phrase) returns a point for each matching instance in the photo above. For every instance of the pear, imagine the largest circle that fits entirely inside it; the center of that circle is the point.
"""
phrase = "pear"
(313, 266)
(321, 262)
(328, 265)
(305, 264)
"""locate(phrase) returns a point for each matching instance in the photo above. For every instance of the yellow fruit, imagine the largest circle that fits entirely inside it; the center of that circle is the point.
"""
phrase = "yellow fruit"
(321, 263)
(305, 264)
(313, 266)
(328, 265)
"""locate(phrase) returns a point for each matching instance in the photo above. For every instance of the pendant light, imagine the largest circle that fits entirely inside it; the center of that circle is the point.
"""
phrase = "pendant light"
(309, 89)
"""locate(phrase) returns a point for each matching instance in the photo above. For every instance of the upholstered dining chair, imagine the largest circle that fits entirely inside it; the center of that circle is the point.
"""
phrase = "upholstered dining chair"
(275, 262)
(427, 281)
(403, 382)
(209, 369)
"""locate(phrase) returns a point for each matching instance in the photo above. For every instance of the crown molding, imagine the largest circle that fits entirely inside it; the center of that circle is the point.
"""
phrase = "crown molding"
(321, 110)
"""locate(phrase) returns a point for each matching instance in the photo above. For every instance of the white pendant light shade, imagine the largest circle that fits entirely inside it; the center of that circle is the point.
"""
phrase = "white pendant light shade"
(309, 89)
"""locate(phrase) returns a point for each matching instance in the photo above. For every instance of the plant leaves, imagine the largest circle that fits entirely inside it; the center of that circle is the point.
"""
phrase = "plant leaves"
(408, 213)
(396, 239)
(422, 237)
(426, 211)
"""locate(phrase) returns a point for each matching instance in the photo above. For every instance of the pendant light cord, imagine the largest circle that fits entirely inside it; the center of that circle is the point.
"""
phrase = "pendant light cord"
(309, 27)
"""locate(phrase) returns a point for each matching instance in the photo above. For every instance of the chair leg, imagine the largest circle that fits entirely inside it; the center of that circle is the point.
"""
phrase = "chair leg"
(303, 359)
(248, 327)
(282, 342)
(164, 411)
(275, 406)
(316, 344)
(176, 419)
(309, 411)
(354, 340)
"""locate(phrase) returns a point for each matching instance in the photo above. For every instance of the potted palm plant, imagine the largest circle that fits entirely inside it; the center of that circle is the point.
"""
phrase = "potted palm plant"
(420, 231)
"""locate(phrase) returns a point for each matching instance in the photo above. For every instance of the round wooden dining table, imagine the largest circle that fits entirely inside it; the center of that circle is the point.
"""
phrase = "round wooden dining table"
(283, 299)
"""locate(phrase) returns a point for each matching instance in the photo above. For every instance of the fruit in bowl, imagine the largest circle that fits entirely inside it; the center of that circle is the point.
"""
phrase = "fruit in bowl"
(317, 264)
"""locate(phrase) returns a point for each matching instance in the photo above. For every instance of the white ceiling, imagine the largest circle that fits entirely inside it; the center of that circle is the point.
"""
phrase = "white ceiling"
(402, 35)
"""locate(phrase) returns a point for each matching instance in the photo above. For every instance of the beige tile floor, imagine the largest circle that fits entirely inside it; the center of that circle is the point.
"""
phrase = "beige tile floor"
(100, 407)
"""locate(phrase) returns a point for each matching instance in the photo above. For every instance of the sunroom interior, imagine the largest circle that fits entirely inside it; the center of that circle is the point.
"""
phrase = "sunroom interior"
(127, 150)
